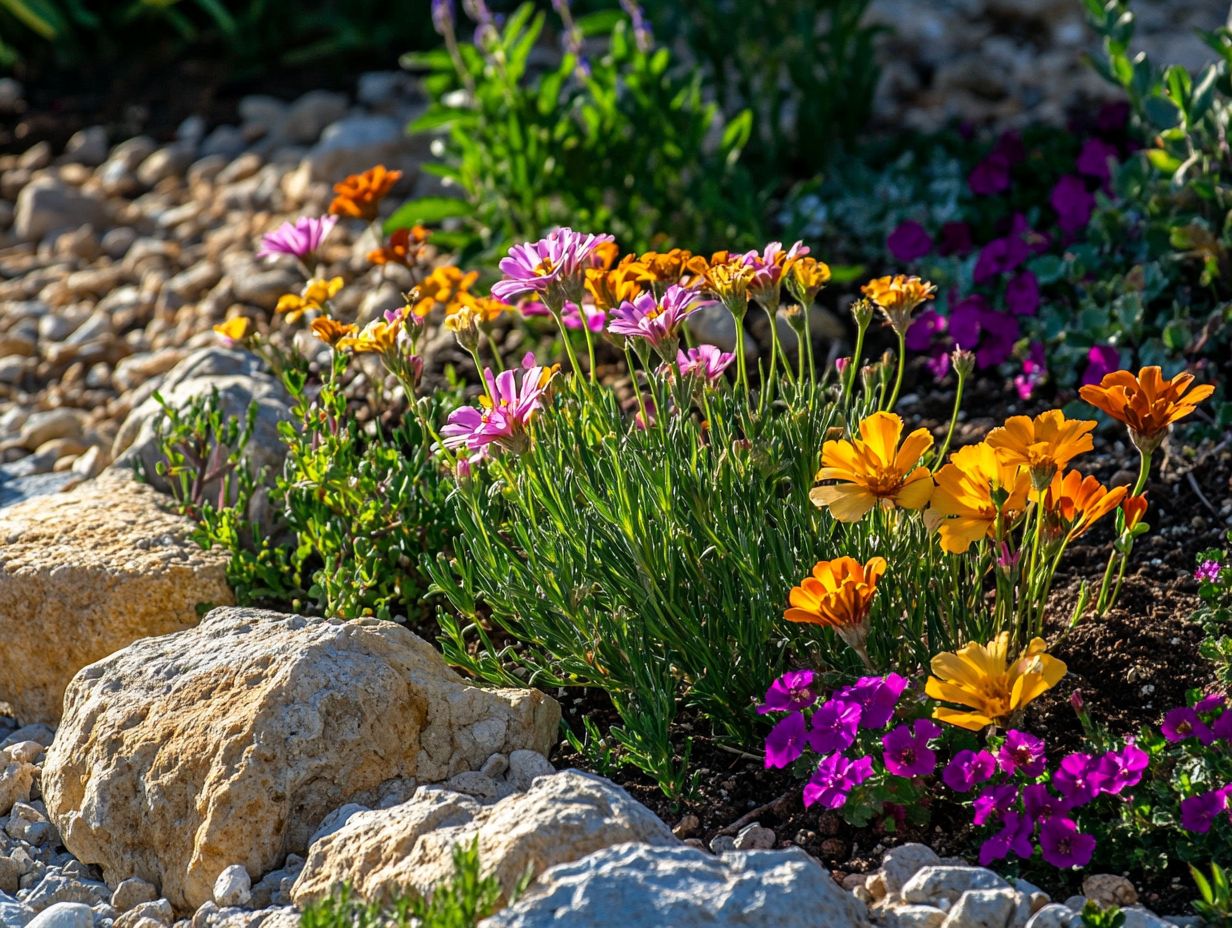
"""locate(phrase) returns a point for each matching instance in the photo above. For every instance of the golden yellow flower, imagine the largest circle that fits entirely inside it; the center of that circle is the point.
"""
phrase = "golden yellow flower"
(234, 329)
(485, 308)
(898, 296)
(729, 281)
(1073, 503)
(464, 324)
(316, 293)
(1147, 403)
(874, 470)
(377, 337)
(331, 331)
(359, 195)
(611, 287)
(445, 287)
(669, 267)
(1045, 444)
(983, 678)
(806, 277)
(838, 595)
(976, 491)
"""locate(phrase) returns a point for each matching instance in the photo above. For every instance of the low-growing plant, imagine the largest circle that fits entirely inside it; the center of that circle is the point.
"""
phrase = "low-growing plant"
(1215, 614)
(532, 149)
(1214, 904)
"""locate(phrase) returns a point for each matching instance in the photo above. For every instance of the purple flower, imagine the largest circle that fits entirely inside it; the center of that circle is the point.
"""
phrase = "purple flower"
(1182, 723)
(939, 364)
(706, 361)
(768, 266)
(1210, 702)
(1000, 333)
(442, 16)
(964, 321)
(1072, 779)
(1000, 256)
(991, 176)
(1222, 729)
(923, 328)
(791, 692)
(1118, 770)
(657, 321)
(786, 741)
(552, 267)
(877, 698)
(836, 776)
(968, 768)
(1015, 836)
(1039, 803)
(994, 802)
(299, 239)
(1094, 157)
(834, 726)
(909, 242)
(906, 750)
(1022, 753)
(1034, 370)
(1101, 360)
(1073, 203)
(1063, 845)
(503, 420)
(1207, 572)
(596, 319)
(1022, 294)
(1199, 812)
(954, 239)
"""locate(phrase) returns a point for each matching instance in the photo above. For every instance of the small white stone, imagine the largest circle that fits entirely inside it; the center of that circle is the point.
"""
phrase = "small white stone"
(233, 887)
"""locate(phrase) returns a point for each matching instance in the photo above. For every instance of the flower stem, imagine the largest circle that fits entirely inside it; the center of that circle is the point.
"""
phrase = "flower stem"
(898, 377)
(949, 434)
(854, 366)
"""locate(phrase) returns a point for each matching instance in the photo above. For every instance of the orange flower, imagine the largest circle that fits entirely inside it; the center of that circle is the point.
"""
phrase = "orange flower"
(609, 287)
(1135, 509)
(898, 296)
(331, 331)
(806, 277)
(1045, 444)
(359, 195)
(976, 492)
(316, 293)
(234, 330)
(838, 595)
(405, 246)
(874, 470)
(445, 286)
(669, 267)
(1147, 404)
(1073, 503)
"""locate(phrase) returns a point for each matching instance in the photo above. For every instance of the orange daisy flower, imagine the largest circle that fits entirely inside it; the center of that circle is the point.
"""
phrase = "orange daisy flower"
(405, 246)
(897, 297)
(331, 331)
(976, 491)
(1073, 503)
(1045, 444)
(1148, 404)
(874, 470)
(359, 195)
(838, 595)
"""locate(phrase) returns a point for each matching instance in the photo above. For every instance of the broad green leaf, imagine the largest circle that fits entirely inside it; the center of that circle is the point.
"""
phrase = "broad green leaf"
(426, 210)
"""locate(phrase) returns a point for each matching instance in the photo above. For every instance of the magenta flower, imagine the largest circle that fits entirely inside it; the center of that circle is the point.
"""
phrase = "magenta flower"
(1034, 370)
(705, 361)
(1039, 803)
(1119, 770)
(1199, 812)
(1063, 845)
(906, 750)
(1101, 360)
(1222, 729)
(967, 769)
(504, 412)
(938, 364)
(994, 802)
(1000, 256)
(909, 242)
(768, 267)
(991, 176)
(791, 692)
(834, 726)
(1093, 160)
(657, 321)
(1183, 723)
(1211, 701)
(786, 740)
(1022, 294)
(1207, 572)
(552, 267)
(1000, 332)
(877, 698)
(835, 778)
(1072, 779)
(964, 321)
(299, 239)
(1015, 836)
(1072, 202)
(596, 319)
(924, 328)
(1022, 753)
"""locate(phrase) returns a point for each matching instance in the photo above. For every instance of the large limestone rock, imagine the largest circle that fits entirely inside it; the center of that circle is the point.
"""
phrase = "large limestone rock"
(406, 850)
(84, 573)
(639, 886)
(229, 742)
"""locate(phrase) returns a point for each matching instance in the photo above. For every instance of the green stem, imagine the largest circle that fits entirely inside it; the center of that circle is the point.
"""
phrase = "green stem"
(854, 367)
(767, 387)
(474, 353)
(641, 403)
(808, 346)
(949, 433)
(898, 377)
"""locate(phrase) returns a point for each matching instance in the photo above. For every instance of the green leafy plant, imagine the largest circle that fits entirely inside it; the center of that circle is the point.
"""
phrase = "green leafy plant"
(1095, 915)
(621, 140)
(1214, 904)
(1214, 575)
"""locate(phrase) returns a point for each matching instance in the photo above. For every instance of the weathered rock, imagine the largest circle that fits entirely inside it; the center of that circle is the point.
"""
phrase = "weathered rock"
(229, 742)
(941, 882)
(641, 886)
(131, 893)
(13, 914)
(406, 849)
(48, 205)
(85, 572)
(356, 143)
(983, 908)
(911, 916)
(16, 778)
(905, 861)
(1055, 915)
(1109, 889)
(64, 915)
(233, 887)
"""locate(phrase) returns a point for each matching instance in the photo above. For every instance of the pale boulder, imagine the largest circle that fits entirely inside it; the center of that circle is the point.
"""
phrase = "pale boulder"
(84, 573)
(228, 743)
(406, 850)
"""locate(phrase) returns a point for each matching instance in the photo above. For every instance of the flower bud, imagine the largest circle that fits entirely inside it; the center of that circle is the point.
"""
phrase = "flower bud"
(963, 362)
(862, 312)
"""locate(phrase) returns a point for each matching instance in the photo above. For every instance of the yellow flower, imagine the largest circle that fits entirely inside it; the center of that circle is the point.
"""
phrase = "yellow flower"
(1073, 503)
(377, 337)
(445, 287)
(874, 470)
(729, 281)
(405, 246)
(1045, 444)
(976, 491)
(838, 595)
(898, 296)
(464, 324)
(611, 287)
(234, 329)
(316, 293)
(1147, 403)
(806, 277)
(982, 678)
(669, 267)
(485, 308)
(330, 331)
